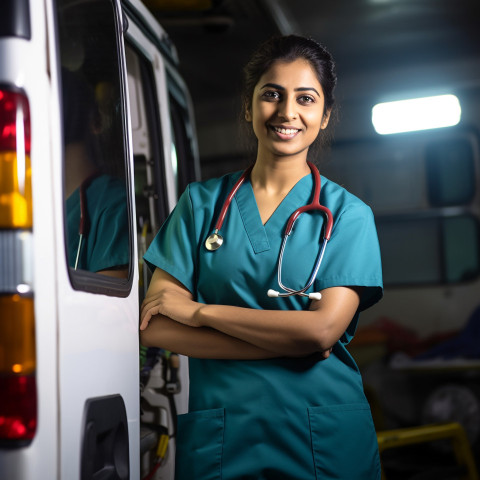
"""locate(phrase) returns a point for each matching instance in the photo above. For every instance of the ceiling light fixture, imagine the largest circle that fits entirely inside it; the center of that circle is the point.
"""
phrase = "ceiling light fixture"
(416, 114)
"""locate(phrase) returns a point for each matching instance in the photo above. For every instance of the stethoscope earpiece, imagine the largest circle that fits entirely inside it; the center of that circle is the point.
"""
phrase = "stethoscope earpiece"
(312, 296)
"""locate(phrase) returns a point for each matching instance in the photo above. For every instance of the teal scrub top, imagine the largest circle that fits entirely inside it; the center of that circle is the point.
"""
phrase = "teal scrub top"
(106, 246)
(283, 418)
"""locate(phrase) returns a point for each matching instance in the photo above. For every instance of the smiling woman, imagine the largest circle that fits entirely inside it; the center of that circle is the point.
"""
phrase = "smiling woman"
(288, 108)
(245, 346)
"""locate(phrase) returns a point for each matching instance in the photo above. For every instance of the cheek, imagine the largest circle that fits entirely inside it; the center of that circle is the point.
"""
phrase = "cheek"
(315, 116)
(261, 112)
(260, 116)
(314, 121)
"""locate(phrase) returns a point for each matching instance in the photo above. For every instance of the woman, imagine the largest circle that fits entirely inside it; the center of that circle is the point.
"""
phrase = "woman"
(274, 394)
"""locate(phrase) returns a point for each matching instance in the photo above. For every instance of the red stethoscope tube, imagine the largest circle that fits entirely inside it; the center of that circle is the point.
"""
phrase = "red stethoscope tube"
(83, 226)
(215, 240)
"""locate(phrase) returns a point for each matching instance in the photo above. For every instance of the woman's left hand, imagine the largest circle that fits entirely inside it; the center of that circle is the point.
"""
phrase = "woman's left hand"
(167, 296)
(173, 304)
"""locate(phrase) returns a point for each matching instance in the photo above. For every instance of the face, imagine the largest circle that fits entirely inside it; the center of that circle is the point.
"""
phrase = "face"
(287, 110)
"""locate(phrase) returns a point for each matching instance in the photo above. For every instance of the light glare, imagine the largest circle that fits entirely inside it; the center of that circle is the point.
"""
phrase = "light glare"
(416, 114)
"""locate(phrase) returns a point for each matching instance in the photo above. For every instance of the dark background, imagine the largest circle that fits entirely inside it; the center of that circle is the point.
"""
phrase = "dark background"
(384, 49)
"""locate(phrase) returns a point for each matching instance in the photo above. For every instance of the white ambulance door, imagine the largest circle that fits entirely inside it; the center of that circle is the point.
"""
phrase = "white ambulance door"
(155, 197)
(165, 160)
(98, 386)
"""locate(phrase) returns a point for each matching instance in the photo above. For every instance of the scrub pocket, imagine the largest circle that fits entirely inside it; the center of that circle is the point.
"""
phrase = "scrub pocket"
(344, 442)
(200, 445)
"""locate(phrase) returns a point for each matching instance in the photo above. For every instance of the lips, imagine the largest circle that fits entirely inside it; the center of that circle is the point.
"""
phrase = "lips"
(284, 131)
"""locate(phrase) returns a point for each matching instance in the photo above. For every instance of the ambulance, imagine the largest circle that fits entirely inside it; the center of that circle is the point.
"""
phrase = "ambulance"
(97, 140)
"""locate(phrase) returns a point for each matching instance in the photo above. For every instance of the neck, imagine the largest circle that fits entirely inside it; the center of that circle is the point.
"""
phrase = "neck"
(279, 175)
(78, 167)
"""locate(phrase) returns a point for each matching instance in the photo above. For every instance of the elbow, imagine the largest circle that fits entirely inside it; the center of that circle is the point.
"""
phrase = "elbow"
(322, 340)
(303, 347)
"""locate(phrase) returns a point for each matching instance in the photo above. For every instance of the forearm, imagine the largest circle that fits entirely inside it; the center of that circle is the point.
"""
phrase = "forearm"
(201, 342)
(277, 332)
(289, 333)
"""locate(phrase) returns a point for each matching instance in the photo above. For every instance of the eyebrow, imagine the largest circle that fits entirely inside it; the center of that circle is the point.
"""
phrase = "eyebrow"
(300, 89)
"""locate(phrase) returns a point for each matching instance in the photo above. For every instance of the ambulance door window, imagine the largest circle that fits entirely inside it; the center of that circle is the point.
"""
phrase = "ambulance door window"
(95, 154)
(183, 155)
(150, 190)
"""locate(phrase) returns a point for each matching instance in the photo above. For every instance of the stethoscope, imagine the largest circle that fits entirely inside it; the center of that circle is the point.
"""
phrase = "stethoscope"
(215, 240)
(83, 226)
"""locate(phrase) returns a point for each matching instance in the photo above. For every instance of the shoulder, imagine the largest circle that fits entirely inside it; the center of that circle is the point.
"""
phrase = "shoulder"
(107, 189)
(208, 190)
(340, 200)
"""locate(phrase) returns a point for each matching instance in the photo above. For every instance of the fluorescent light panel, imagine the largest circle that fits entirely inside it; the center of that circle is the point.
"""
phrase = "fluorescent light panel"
(416, 114)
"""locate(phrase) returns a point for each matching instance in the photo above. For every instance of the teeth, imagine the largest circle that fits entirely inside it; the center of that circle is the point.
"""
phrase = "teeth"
(286, 131)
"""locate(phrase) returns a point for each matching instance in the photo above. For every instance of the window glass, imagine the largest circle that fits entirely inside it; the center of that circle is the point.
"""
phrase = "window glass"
(182, 155)
(150, 192)
(429, 250)
(386, 174)
(462, 243)
(410, 251)
(450, 172)
(96, 200)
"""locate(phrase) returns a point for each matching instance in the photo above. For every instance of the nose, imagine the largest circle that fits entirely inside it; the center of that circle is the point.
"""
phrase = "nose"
(287, 109)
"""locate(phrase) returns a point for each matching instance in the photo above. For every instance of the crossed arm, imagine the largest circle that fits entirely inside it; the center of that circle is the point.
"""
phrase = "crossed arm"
(171, 319)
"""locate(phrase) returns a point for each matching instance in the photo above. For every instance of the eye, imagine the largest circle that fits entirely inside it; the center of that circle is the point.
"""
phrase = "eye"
(306, 99)
(271, 95)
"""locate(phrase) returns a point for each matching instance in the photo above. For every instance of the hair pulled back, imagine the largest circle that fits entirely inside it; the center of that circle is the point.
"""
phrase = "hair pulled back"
(288, 49)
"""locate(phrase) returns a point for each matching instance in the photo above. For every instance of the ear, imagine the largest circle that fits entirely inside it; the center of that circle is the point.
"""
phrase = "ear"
(248, 115)
(325, 120)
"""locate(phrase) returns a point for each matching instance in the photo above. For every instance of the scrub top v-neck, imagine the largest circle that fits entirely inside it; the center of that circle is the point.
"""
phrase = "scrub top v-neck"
(280, 418)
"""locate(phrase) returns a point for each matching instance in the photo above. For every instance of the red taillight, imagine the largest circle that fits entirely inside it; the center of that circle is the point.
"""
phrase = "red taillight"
(18, 408)
(15, 169)
(14, 121)
(18, 392)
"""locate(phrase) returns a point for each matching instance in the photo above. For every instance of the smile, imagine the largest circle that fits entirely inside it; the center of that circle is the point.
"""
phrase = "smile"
(286, 131)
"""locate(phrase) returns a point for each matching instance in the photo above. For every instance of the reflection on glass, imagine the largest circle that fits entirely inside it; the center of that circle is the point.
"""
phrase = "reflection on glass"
(97, 226)
(96, 201)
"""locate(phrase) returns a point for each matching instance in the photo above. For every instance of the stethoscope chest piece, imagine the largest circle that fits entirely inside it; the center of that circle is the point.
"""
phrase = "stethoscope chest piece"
(214, 241)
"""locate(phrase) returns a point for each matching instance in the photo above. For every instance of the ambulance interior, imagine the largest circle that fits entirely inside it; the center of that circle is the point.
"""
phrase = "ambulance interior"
(418, 348)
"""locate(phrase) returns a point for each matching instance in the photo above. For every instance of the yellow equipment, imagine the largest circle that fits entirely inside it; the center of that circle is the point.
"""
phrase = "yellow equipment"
(428, 433)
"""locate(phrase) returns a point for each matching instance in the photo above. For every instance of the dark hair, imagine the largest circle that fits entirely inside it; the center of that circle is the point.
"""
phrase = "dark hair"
(79, 107)
(288, 49)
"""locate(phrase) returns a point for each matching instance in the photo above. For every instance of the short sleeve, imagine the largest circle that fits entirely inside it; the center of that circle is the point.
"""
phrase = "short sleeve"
(174, 247)
(112, 247)
(352, 256)
(106, 244)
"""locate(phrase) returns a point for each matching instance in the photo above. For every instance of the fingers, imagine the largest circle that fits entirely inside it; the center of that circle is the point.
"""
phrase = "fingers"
(145, 318)
(326, 353)
(150, 306)
(148, 311)
(144, 323)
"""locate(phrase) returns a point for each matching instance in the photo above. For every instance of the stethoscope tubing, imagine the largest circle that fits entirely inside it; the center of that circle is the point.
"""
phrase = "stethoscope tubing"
(289, 291)
(215, 240)
(83, 226)
(229, 199)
